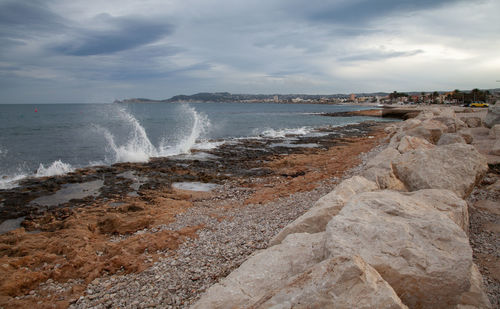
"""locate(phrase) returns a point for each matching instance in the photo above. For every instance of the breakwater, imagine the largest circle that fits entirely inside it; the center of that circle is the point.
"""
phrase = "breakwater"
(394, 236)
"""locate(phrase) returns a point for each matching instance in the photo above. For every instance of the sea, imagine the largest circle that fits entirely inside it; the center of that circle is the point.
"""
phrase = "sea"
(38, 140)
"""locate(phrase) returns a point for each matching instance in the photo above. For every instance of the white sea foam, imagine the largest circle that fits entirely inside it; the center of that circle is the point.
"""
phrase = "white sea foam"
(8, 182)
(280, 133)
(55, 168)
(206, 145)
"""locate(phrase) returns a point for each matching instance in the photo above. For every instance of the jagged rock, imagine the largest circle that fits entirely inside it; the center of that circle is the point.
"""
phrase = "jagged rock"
(409, 143)
(429, 129)
(466, 134)
(264, 271)
(472, 121)
(450, 138)
(379, 170)
(391, 129)
(316, 218)
(452, 123)
(341, 282)
(410, 124)
(436, 128)
(419, 251)
(446, 202)
(493, 116)
(456, 167)
(475, 297)
(384, 178)
(384, 158)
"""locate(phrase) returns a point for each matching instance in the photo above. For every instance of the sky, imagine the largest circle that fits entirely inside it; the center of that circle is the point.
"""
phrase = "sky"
(95, 51)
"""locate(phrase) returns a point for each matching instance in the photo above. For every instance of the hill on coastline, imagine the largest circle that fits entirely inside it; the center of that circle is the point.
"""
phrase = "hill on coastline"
(225, 97)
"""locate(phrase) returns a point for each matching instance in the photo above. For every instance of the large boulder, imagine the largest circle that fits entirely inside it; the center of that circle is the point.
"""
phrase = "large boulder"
(418, 250)
(384, 158)
(410, 124)
(452, 123)
(264, 271)
(495, 131)
(446, 202)
(493, 116)
(429, 129)
(316, 218)
(450, 138)
(466, 134)
(384, 178)
(379, 170)
(409, 143)
(472, 121)
(456, 167)
(341, 282)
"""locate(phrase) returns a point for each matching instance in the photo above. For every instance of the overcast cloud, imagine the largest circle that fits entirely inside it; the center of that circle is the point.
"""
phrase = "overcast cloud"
(97, 51)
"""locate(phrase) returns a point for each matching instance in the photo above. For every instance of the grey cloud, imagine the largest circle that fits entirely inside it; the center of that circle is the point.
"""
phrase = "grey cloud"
(377, 55)
(27, 13)
(363, 11)
(123, 33)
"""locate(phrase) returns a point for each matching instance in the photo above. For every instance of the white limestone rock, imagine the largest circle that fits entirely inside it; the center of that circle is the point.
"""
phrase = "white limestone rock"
(495, 131)
(493, 116)
(316, 218)
(466, 134)
(419, 251)
(450, 138)
(265, 270)
(446, 202)
(456, 167)
(409, 143)
(384, 178)
(475, 297)
(340, 282)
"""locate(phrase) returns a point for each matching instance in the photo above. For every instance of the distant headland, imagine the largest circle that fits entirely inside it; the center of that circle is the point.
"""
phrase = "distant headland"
(455, 96)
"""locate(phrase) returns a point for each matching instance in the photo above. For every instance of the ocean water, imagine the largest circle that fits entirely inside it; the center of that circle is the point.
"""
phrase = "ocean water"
(51, 139)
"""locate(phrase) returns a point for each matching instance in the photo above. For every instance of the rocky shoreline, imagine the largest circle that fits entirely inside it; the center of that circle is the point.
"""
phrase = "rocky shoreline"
(283, 217)
(394, 236)
(96, 232)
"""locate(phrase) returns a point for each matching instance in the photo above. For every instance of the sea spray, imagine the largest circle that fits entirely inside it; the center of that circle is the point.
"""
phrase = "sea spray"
(139, 148)
(280, 133)
(55, 168)
(185, 142)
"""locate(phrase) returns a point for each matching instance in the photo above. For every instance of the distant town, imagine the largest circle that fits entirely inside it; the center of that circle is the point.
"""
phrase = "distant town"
(456, 97)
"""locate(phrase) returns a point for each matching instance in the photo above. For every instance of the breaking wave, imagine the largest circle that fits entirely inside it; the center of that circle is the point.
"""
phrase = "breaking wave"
(280, 133)
(138, 146)
(56, 168)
